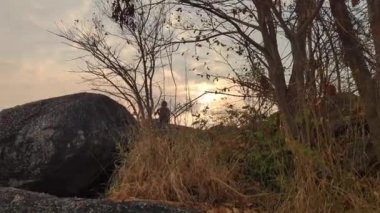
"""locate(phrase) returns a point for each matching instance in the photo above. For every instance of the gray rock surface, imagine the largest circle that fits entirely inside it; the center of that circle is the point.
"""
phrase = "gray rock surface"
(16, 201)
(63, 146)
(343, 112)
(340, 105)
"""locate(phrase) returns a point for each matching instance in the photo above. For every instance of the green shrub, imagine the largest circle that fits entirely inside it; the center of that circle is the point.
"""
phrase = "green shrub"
(269, 162)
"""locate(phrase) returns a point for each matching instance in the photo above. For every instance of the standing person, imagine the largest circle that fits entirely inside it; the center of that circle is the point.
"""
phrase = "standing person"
(163, 115)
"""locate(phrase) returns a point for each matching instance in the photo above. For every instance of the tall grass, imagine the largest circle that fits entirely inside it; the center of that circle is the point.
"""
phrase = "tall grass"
(243, 170)
(322, 183)
(178, 167)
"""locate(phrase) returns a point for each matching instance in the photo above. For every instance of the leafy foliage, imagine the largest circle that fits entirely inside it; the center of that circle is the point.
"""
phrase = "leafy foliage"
(268, 160)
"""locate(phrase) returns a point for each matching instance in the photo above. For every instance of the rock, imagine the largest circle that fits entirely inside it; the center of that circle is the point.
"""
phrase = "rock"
(344, 114)
(15, 200)
(63, 146)
(340, 105)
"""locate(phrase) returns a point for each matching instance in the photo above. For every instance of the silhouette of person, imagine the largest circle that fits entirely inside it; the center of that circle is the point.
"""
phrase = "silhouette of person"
(163, 114)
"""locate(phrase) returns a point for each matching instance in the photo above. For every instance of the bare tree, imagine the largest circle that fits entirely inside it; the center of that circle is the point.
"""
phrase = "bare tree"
(259, 24)
(125, 62)
(354, 56)
(374, 21)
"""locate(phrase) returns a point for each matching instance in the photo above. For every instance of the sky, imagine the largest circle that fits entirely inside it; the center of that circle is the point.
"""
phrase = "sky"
(35, 64)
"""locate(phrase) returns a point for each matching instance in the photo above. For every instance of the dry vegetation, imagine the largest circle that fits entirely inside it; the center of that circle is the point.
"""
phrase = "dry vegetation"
(180, 167)
(327, 162)
(242, 170)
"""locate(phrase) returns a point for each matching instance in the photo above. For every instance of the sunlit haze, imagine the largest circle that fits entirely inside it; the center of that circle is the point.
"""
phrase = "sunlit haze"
(35, 64)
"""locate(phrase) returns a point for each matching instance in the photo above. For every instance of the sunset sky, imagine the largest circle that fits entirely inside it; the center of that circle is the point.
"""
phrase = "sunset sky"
(35, 64)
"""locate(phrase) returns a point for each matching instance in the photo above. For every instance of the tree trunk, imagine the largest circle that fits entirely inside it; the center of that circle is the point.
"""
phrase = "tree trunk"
(354, 57)
(374, 20)
(276, 69)
(298, 90)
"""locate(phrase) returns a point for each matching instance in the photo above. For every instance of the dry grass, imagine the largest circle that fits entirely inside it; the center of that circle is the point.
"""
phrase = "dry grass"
(199, 170)
(323, 184)
(180, 167)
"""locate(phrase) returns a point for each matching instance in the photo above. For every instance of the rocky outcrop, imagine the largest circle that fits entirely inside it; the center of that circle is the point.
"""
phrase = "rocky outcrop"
(340, 105)
(344, 114)
(15, 201)
(63, 146)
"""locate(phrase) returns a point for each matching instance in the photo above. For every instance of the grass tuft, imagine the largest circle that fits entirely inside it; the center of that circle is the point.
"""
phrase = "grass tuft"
(179, 167)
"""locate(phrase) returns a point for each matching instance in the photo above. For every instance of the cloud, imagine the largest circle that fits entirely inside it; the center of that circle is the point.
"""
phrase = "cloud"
(34, 80)
(34, 62)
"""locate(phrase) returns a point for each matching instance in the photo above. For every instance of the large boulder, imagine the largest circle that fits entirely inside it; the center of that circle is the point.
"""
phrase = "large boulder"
(344, 114)
(15, 200)
(65, 146)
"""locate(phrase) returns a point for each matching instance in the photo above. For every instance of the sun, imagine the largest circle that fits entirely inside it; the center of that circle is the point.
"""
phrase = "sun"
(207, 99)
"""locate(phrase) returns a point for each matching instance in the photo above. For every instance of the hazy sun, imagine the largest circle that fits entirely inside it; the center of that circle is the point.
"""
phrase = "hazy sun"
(207, 99)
